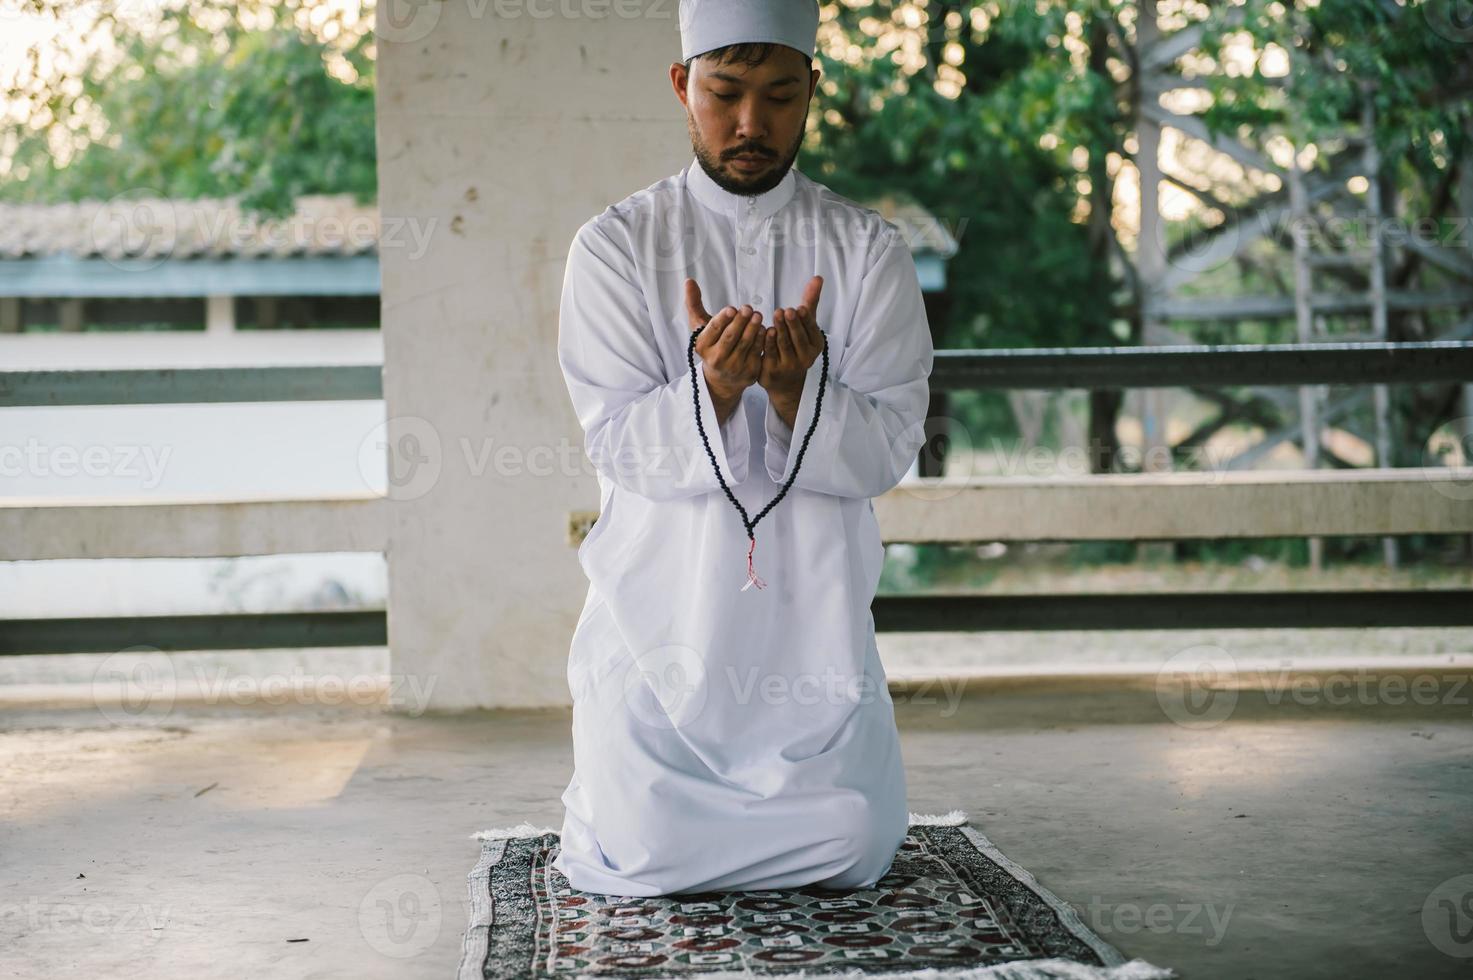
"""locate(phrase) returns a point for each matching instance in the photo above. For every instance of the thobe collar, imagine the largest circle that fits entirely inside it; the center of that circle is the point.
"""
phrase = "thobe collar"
(723, 201)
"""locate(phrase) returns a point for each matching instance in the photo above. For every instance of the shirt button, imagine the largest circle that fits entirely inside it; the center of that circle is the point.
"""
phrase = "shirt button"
(750, 250)
(756, 299)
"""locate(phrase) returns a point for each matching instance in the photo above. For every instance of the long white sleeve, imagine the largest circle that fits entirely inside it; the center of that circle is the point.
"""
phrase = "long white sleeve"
(639, 425)
(874, 407)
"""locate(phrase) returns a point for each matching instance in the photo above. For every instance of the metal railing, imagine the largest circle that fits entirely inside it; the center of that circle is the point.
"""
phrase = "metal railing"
(42, 529)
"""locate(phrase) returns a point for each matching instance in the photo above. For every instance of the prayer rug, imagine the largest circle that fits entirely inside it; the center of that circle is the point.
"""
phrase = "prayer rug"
(951, 907)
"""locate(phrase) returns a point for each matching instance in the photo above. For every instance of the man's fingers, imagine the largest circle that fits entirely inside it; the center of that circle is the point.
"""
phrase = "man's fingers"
(731, 336)
(752, 337)
(805, 316)
(786, 327)
(715, 329)
(693, 305)
(754, 356)
(811, 294)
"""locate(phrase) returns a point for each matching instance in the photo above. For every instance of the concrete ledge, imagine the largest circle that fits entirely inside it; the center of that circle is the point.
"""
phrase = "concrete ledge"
(32, 529)
(1173, 506)
(1243, 675)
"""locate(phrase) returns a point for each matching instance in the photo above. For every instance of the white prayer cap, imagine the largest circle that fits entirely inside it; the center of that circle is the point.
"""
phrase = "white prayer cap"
(709, 24)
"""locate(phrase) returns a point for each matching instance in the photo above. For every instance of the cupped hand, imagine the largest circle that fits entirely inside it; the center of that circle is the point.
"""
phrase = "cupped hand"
(731, 344)
(792, 344)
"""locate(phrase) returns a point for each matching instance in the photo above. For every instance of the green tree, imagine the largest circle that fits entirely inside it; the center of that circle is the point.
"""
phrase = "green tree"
(262, 100)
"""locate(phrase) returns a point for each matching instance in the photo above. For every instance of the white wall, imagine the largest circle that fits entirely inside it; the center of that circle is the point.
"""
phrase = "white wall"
(502, 126)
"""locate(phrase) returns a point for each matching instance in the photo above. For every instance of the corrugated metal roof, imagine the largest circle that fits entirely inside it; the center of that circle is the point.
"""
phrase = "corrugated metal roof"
(923, 231)
(322, 225)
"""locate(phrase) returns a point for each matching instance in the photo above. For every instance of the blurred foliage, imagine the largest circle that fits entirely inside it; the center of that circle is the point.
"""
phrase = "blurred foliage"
(262, 100)
(950, 112)
(1413, 60)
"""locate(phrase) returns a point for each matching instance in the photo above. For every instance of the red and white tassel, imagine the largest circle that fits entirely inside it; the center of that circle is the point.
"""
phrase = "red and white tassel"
(752, 578)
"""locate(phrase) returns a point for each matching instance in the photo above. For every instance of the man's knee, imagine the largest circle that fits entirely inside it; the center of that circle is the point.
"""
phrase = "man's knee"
(868, 838)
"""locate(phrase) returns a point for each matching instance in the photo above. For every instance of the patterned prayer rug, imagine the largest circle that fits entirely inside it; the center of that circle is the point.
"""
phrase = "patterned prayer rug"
(950, 908)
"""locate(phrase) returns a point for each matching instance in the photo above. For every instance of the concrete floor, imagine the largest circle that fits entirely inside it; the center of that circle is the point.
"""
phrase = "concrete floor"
(1292, 840)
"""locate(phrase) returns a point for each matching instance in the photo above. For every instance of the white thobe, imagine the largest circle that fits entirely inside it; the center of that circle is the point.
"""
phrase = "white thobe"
(724, 739)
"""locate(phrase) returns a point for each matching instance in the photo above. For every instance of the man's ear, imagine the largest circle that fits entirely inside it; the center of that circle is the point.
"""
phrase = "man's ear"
(680, 81)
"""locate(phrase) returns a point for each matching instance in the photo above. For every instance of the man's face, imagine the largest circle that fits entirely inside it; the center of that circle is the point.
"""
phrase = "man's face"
(746, 122)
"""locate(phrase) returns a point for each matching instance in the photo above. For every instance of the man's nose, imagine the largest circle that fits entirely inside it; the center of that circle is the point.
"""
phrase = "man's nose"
(752, 121)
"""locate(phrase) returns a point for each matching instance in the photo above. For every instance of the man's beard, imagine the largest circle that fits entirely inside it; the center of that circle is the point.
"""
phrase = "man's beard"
(759, 184)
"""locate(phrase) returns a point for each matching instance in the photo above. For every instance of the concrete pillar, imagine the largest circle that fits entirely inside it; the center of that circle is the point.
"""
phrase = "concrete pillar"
(220, 314)
(70, 312)
(10, 314)
(266, 310)
(501, 129)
